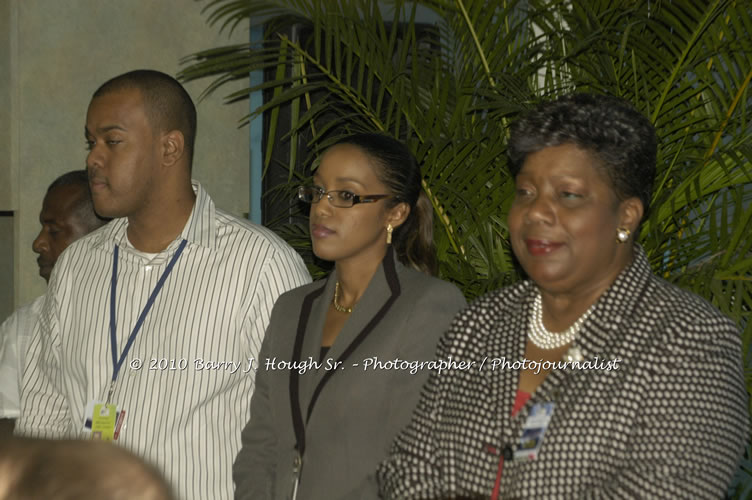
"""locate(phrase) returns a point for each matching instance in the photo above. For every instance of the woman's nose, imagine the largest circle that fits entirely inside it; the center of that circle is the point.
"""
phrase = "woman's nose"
(540, 209)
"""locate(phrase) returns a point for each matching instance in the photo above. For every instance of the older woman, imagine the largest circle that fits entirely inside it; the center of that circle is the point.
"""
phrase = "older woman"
(341, 373)
(594, 378)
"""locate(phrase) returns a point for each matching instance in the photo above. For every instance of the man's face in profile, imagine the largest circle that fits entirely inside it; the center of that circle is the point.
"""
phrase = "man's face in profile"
(124, 154)
(61, 225)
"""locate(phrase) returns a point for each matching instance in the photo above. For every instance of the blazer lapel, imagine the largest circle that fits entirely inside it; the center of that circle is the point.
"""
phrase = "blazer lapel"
(501, 391)
(311, 341)
(295, 380)
(382, 291)
(372, 308)
(378, 298)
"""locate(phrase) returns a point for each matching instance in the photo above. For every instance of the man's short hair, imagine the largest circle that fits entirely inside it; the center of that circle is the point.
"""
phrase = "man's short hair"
(166, 103)
(84, 206)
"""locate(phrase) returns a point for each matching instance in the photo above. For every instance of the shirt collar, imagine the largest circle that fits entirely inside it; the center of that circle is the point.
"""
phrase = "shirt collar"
(199, 230)
(201, 226)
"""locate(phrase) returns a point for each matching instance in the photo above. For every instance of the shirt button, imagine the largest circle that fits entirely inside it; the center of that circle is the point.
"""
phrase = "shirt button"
(148, 268)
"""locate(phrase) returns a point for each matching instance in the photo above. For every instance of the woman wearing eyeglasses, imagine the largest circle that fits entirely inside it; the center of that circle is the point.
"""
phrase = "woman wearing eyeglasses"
(344, 358)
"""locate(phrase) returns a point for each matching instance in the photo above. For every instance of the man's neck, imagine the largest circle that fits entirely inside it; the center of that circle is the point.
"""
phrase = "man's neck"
(152, 232)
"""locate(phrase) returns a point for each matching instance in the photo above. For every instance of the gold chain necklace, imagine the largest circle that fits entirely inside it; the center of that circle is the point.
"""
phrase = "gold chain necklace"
(342, 309)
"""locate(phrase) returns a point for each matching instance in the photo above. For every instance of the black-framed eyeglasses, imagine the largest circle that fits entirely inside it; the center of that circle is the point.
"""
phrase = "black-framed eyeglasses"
(341, 199)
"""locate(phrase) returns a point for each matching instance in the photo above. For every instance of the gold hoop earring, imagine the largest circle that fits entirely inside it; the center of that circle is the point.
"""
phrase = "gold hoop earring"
(622, 235)
(389, 230)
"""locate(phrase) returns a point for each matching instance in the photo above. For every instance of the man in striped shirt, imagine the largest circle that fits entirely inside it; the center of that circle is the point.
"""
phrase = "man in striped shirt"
(151, 323)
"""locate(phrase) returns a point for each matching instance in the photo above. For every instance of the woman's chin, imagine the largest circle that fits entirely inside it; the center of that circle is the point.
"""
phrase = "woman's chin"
(323, 253)
(546, 277)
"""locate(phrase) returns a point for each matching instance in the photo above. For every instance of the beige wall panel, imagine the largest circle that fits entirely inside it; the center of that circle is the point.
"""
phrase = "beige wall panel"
(66, 49)
(7, 202)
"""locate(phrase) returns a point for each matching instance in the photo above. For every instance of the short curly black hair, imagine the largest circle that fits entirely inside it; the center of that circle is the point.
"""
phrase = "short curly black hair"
(610, 128)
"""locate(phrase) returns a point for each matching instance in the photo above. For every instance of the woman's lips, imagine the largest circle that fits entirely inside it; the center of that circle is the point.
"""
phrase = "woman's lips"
(536, 248)
(319, 231)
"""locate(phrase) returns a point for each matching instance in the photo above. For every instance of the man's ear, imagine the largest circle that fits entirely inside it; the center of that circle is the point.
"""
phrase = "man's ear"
(631, 211)
(398, 214)
(173, 147)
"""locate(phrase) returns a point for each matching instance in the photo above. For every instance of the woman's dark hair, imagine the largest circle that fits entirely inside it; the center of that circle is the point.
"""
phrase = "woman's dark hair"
(610, 128)
(397, 168)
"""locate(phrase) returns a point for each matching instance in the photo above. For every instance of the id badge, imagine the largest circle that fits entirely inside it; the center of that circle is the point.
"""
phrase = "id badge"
(533, 431)
(103, 421)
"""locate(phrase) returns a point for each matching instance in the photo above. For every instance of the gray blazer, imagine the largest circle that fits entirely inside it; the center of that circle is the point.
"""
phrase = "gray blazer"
(340, 419)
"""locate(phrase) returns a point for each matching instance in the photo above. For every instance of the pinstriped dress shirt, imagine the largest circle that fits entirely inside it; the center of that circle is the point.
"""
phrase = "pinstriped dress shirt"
(185, 384)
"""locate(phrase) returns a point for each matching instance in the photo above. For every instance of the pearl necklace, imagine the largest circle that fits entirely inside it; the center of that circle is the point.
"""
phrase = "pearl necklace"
(342, 309)
(542, 338)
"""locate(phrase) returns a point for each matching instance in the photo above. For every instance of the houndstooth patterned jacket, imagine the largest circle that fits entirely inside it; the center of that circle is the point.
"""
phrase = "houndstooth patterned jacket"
(670, 422)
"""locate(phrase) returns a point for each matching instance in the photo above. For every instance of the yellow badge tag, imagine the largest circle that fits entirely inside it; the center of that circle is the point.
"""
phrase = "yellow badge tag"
(103, 421)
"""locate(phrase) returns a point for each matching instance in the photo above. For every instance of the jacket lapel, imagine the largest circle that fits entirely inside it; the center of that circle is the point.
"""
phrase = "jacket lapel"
(511, 348)
(312, 326)
(298, 388)
(382, 292)
(378, 298)
(383, 289)
(598, 337)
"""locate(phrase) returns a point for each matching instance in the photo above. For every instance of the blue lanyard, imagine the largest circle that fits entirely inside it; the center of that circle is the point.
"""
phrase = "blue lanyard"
(118, 363)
